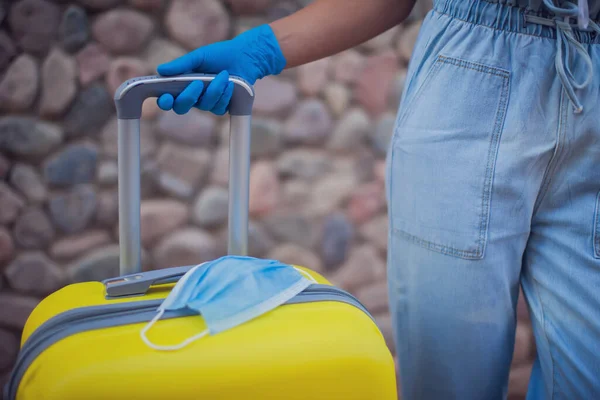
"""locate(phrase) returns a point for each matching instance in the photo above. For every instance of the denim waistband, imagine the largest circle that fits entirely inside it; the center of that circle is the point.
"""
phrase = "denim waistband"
(498, 15)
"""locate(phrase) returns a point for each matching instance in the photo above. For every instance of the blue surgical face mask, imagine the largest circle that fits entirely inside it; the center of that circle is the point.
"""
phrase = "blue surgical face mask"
(230, 291)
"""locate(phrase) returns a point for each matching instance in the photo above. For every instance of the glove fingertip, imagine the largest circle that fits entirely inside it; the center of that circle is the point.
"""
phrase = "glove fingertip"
(165, 102)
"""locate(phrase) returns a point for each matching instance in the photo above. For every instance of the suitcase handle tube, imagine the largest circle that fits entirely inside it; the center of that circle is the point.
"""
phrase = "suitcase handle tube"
(139, 284)
(129, 98)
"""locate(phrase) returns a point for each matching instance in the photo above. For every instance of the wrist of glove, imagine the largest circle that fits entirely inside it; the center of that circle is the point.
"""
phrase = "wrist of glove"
(251, 55)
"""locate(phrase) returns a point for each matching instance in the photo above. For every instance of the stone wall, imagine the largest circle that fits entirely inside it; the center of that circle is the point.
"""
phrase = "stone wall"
(319, 139)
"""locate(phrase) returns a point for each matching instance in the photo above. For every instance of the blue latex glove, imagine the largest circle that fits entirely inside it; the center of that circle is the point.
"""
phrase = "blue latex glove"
(251, 55)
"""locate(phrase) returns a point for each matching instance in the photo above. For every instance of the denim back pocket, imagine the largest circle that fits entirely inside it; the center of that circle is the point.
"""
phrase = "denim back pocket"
(443, 157)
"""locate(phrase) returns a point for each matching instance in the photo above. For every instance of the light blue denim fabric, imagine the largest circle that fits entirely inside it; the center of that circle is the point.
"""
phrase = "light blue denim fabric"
(494, 181)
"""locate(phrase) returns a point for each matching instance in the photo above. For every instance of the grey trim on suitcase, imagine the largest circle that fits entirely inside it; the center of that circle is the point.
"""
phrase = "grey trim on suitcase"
(85, 319)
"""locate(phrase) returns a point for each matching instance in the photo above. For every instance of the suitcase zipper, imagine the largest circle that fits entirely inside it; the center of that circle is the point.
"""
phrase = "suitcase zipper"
(105, 316)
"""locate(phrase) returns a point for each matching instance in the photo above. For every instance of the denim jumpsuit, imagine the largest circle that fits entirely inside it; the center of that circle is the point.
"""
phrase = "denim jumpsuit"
(493, 181)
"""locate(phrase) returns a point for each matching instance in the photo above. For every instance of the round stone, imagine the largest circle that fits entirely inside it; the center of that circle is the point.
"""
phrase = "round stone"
(59, 83)
(74, 30)
(34, 273)
(363, 267)
(373, 87)
(25, 136)
(74, 246)
(160, 51)
(122, 69)
(301, 163)
(122, 31)
(99, 4)
(9, 349)
(19, 86)
(274, 96)
(293, 254)
(337, 97)
(15, 309)
(189, 246)
(336, 239)
(93, 63)
(90, 111)
(195, 24)
(7, 50)
(161, 217)
(313, 76)
(310, 124)
(245, 7)
(33, 229)
(34, 24)
(211, 207)
(73, 210)
(266, 137)
(75, 164)
(367, 200)
(351, 131)
(12, 204)
(7, 246)
(383, 133)
(26, 179)
(195, 128)
(264, 188)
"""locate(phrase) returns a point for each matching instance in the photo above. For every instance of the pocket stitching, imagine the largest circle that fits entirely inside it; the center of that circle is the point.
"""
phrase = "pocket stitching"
(492, 153)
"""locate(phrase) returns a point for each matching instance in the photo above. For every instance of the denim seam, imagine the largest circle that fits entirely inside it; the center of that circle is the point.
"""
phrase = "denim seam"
(596, 237)
(544, 330)
(491, 157)
(552, 164)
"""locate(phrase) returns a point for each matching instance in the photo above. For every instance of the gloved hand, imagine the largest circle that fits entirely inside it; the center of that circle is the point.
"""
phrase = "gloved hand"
(251, 55)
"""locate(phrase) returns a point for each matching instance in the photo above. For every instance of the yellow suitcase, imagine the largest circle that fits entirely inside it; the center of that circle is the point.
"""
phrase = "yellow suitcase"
(83, 341)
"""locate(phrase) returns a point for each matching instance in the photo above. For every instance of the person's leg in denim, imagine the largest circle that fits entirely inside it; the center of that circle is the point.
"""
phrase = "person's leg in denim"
(492, 180)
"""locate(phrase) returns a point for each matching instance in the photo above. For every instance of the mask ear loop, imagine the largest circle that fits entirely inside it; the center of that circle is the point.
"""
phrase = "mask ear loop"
(306, 274)
(144, 331)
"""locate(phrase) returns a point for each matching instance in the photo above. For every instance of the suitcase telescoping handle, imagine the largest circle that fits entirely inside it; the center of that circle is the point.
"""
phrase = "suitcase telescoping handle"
(129, 98)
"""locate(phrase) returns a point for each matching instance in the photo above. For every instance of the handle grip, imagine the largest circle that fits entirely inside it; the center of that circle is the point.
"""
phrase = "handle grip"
(139, 284)
(130, 96)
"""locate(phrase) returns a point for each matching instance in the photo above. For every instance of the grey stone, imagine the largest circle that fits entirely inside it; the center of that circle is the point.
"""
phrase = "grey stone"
(77, 245)
(352, 129)
(220, 167)
(266, 137)
(282, 9)
(7, 50)
(373, 87)
(363, 267)
(110, 139)
(108, 173)
(294, 254)
(59, 83)
(122, 69)
(336, 240)
(195, 24)
(313, 76)
(90, 111)
(74, 29)
(73, 210)
(35, 274)
(295, 194)
(376, 232)
(33, 229)
(182, 169)
(348, 65)
(27, 180)
(99, 4)
(9, 348)
(244, 7)
(383, 133)
(303, 163)
(189, 246)
(291, 227)
(7, 246)
(366, 201)
(161, 217)
(330, 192)
(265, 190)
(397, 89)
(34, 24)
(101, 264)
(122, 31)
(4, 166)
(107, 212)
(15, 309)
(195, 128)
(19, 86)
(148, 5)
(211, 207)
(259, 241)
(374, 297)
(24, 136)
(93, 63)
(12, 204)
(337, 97)
(274, 96)
(160, 51)
(73, 165)
(310, 124)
